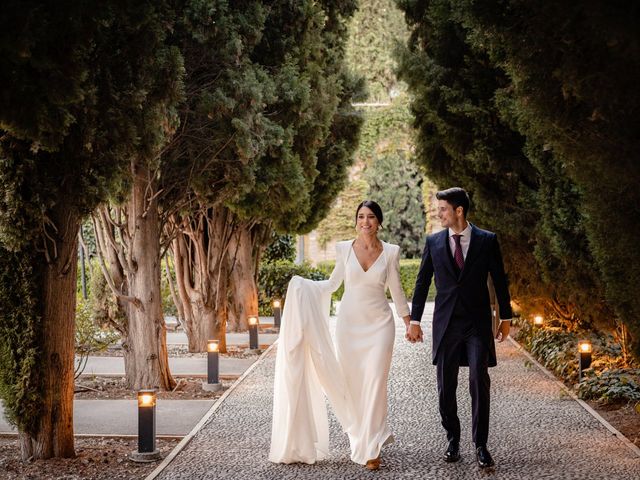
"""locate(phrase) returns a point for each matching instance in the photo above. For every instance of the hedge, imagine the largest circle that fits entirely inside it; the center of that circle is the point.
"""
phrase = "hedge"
(273, 279)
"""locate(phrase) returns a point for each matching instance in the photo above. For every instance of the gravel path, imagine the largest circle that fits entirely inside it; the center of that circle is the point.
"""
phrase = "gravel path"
(537, 431)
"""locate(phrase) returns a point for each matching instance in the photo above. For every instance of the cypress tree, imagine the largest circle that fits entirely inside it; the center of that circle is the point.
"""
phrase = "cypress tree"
(469, 134)
(74, 77)
(574, 70)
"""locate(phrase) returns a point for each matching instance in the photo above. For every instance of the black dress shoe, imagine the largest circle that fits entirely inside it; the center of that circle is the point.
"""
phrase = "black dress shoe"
(453, 452)
(484, 457)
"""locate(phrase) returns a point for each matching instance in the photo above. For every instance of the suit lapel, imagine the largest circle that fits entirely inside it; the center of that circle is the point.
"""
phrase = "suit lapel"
(474, 247)
(445, 250)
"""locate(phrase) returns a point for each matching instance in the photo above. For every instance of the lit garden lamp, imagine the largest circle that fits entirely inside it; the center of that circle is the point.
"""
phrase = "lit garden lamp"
(277, 312)
(253, 334)
(147, 451)
(538, 321)
(584, 351)
(213, 367)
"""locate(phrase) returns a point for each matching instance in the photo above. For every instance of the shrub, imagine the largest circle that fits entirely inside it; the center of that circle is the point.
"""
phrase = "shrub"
(606, 380)
(89, 336)
(611, 386)
(274, 277)
(282, 247)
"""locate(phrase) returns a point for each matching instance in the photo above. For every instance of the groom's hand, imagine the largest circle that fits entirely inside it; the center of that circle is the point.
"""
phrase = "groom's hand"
(414, 333)
(503, 331)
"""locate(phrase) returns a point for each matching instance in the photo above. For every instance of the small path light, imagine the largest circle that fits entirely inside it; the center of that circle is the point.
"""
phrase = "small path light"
(538, 321)
(253, 334)
(584, 352)
(213, 367)
(146, 428)
(277, 312)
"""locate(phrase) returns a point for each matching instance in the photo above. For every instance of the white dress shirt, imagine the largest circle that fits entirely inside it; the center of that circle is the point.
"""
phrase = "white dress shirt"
(465, 241)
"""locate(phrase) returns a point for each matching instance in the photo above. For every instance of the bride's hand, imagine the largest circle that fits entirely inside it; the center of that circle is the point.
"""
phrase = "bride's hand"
(407, 320)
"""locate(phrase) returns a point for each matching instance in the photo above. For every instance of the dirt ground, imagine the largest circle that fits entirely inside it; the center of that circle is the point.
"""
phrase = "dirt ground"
(103, 388)
(235, 351)
(624, 417)
(97, 459)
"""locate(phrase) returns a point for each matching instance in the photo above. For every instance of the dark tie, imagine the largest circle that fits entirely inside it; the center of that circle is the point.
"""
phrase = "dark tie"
(457, 255)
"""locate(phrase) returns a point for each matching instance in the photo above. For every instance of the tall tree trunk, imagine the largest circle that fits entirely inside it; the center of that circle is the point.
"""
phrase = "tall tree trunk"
(245, 248)
(200, 252)
(54, 436)
(128, 240)
(146, 357)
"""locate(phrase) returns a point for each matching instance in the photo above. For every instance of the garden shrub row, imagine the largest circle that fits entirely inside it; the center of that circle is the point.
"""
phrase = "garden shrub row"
(609, 379)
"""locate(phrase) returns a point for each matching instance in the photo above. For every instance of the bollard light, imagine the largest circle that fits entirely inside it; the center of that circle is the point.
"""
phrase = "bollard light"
(584, 354)
(253, 333)
(146, 427)
(538, 321)
(277, 312)
(213, 367)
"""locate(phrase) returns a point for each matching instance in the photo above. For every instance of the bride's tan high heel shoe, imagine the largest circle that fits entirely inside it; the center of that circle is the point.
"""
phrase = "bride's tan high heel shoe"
(373, 464)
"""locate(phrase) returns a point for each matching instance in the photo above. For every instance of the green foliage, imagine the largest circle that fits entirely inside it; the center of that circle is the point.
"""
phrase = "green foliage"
(105, 310)
(386, 129)
(573, 71)
(336, 155)
(395, 183)
(555, 348)
(90, 337)
(611, 386)
(274, 277)
(86, 85)
(282, 247)
(375, 29)
(302, 49)
(340, 223)
(386, 148)
(20, 339)
(471, 133)
(608, 379)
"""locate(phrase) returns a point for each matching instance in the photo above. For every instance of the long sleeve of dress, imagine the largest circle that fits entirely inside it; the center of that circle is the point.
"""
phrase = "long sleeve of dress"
(337, 276)
(395, 284)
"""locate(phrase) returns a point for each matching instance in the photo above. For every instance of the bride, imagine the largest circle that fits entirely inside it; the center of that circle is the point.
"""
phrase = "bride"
(353, 373)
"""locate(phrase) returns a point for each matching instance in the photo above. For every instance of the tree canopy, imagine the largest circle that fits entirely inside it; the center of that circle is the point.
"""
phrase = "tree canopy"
(522, 104)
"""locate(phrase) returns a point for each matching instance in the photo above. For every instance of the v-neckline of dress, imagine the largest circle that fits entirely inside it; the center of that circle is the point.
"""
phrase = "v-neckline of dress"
(355, 255)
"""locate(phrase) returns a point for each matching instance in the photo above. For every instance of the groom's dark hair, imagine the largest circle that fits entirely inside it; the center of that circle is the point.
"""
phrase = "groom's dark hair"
(456, 197)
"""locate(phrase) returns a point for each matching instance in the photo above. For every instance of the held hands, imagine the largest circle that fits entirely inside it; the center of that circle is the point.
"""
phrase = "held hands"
(414, 332)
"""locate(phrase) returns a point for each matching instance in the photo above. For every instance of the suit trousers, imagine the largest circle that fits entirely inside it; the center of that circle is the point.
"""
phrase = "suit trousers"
(461, 337)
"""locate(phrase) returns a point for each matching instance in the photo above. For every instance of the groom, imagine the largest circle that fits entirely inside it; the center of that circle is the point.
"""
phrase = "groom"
(461, 257)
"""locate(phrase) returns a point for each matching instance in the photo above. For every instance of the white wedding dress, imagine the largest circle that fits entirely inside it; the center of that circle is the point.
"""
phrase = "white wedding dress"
(353, 373)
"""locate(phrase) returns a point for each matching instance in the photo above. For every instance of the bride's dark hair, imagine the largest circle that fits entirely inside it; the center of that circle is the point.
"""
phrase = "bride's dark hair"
(374, 207)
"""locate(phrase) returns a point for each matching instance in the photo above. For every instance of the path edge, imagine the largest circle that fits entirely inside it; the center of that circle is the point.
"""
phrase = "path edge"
(185, 441)
(627, 443)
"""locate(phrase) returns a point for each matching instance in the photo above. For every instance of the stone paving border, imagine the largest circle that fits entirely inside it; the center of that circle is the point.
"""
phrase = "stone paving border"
(628, 443)
(185, 441)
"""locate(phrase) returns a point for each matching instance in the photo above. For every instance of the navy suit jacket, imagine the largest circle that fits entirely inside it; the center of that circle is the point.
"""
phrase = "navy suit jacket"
(469, 287)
